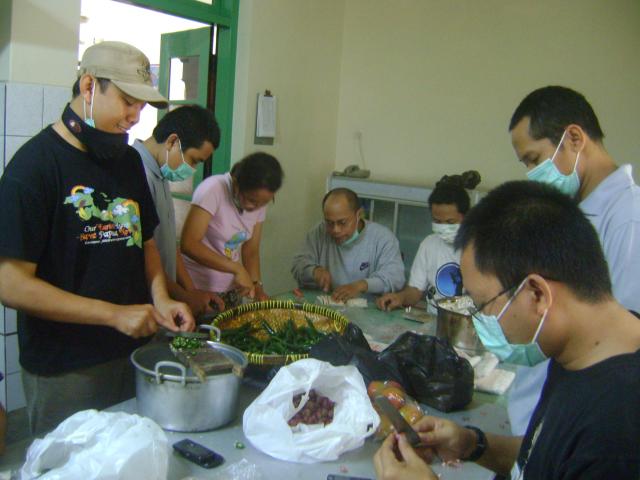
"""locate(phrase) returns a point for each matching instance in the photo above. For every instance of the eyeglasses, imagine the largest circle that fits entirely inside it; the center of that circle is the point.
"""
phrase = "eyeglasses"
(475, 310)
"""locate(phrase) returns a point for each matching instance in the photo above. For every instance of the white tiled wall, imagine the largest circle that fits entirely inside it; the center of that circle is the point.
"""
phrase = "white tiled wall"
(24, 110)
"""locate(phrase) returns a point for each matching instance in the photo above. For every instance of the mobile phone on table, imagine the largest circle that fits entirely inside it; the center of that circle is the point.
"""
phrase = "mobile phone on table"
(198, 454)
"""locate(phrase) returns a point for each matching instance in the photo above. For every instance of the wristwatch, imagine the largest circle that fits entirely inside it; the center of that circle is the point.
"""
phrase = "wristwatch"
(481, 444)
(258, 282)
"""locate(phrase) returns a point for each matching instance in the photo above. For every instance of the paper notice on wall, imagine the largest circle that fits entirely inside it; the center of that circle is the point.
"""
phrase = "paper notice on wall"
(266, 117)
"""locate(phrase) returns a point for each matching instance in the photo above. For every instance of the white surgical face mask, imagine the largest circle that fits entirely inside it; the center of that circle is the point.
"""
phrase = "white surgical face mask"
(547, 172)
(446, 231)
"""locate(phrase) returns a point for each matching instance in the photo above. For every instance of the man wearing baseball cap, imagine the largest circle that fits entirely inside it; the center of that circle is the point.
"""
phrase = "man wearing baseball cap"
(77, 255)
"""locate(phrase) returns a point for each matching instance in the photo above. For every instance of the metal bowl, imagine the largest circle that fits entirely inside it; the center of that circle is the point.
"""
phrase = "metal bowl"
(457, 328)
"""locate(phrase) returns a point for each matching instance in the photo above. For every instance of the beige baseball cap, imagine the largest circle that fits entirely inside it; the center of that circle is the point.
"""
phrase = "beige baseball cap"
(126, 66)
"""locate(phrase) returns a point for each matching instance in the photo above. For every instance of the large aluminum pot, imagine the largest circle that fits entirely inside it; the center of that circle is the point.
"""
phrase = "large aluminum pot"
(457, 327)
(170, 393)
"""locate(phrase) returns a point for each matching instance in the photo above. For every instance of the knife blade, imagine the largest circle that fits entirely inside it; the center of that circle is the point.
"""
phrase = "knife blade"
(399, 423)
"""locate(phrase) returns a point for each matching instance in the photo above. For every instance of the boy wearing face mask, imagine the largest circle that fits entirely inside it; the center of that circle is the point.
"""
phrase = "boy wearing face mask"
(435, 272)
(77, 257)
(347, 255)
(557, 136)
(184, 138)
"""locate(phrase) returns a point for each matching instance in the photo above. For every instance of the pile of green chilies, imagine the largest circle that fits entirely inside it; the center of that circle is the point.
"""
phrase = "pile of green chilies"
(286, 341)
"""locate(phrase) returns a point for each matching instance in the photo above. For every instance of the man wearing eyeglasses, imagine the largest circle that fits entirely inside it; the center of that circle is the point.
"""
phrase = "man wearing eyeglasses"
(348, 255)
(535, 269)
(557, 136)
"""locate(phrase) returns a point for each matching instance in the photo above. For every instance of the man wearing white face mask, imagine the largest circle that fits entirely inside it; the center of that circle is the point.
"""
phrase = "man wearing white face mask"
(547, 292)
(183, 139)
(436, 268)
(348, 255)
(558, 138)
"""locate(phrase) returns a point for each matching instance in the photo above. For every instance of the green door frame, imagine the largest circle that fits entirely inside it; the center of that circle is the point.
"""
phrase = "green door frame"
(194, 43)
(223, 13)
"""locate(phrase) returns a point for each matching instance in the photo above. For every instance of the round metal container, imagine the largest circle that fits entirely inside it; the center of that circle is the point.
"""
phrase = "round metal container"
(458, 329)
(171, 395)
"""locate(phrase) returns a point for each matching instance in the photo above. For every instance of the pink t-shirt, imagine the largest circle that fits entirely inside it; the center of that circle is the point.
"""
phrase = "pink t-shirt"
(227, 231)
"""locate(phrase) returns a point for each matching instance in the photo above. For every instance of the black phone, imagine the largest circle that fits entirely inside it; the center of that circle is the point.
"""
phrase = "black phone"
(198, 454)
(332, 476)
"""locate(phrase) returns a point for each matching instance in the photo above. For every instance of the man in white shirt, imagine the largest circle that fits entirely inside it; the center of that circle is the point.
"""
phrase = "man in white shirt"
(436, 268)
(557, 136)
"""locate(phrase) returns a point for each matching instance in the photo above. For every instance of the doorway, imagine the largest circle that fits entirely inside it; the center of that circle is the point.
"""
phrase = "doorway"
(191, 47)
(112, 20)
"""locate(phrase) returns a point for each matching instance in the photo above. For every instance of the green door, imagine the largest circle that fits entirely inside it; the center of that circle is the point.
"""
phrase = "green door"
(219, 85)
(184, 77)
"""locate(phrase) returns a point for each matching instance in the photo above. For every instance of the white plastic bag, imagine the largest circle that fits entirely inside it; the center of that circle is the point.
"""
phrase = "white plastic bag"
(354, 419)
(91, 445)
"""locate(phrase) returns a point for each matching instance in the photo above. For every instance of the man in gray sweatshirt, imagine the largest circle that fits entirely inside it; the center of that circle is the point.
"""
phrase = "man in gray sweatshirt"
(348, 254)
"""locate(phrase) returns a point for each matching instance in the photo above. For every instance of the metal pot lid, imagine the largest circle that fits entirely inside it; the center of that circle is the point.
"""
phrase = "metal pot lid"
(147, 357)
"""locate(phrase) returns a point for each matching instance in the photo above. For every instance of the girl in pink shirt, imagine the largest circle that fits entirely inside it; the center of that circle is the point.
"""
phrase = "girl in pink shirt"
(221, 236)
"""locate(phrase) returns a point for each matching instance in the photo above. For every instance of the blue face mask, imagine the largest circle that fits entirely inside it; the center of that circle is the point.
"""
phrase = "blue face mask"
(179, 174)
(353, 237)
(492, 336)
(547, 172)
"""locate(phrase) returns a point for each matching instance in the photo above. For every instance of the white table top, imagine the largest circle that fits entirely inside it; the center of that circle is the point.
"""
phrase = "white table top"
(485, 411)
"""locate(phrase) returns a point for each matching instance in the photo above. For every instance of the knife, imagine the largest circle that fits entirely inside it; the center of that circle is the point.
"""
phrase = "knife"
(399, 423)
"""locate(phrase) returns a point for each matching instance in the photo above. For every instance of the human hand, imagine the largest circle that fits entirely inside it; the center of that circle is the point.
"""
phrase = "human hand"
(243, 283)
(260, 294)
(175, 316)
(408, 467)
(389, 301)
(350, 290)
(322, 277)
(217, 300)
(200, 301)
(448, 439)
(136, 320)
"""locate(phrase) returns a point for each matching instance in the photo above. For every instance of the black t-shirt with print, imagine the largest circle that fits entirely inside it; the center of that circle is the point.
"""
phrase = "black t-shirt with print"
(586, 424)
(83, 222)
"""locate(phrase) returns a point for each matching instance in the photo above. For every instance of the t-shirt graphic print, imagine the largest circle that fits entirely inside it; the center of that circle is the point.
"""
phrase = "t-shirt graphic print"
(105, 220)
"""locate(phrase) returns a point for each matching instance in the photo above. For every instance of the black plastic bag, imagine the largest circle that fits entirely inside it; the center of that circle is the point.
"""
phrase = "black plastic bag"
(352, 348)
(433, 372)
(427, 367)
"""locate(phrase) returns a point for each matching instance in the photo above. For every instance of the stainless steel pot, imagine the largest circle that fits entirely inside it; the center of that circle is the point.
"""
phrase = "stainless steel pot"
(458, 329)
(170, 393)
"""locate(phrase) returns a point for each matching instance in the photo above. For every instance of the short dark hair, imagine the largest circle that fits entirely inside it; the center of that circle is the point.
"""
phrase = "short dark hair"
(352, 197)
(193, 124)
(551, 109)
(75, 89)
(450, 194)
(525, 227)
(258, 170)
